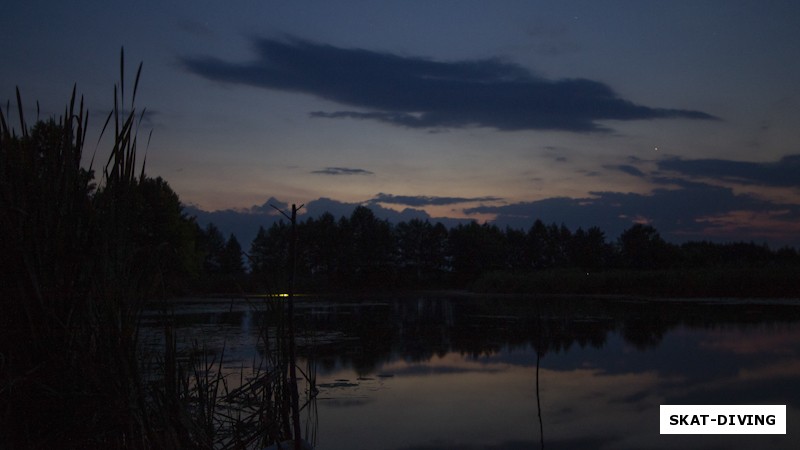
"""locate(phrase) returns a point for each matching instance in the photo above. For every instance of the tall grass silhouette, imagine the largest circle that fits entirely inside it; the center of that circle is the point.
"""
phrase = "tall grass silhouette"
(79, 263)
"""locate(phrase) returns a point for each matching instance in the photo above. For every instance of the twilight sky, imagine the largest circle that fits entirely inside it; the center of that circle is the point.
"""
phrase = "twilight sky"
(681, 114)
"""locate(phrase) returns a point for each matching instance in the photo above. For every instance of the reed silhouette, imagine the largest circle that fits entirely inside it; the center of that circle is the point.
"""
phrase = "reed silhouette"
(81, 259)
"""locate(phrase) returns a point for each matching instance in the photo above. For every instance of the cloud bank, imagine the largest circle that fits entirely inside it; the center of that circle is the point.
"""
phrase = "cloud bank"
(700, 203)
(698, 199)
(424, 200)
(696, 211)
(420, 93)
(342, 171)
(782, 173)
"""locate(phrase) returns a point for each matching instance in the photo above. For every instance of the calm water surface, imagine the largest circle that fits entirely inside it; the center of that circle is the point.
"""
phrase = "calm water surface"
(460, 372)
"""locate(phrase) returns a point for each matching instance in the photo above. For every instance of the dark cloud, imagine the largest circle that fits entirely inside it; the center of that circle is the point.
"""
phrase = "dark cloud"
(421, 93)
(268, 207)
(630, 170)
(342, 171)
(692, 211)
(784, 173)
(422, 200)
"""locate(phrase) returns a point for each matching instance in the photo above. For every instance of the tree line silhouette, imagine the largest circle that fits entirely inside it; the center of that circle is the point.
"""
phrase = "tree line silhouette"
(364, 252)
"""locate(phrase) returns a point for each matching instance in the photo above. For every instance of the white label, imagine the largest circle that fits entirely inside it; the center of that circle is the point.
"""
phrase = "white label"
(723, 419)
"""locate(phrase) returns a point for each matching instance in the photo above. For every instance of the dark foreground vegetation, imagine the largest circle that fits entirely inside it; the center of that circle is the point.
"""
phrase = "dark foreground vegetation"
(81, 256)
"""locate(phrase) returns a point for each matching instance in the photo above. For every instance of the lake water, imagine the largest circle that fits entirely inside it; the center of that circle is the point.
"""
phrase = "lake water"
(460, 372)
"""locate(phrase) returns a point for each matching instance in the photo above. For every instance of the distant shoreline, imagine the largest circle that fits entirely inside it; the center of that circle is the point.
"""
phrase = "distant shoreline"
(456, 293)
(738, 283)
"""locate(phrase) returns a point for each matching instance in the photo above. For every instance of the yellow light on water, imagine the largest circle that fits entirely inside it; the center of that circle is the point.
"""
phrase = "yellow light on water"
(281, 295)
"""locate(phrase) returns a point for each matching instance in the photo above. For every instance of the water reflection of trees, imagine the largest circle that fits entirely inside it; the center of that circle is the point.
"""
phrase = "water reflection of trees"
(418, 329)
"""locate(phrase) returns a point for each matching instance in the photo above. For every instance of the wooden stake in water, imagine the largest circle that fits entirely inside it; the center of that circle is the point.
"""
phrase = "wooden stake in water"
(290, 325)
(292, 362)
